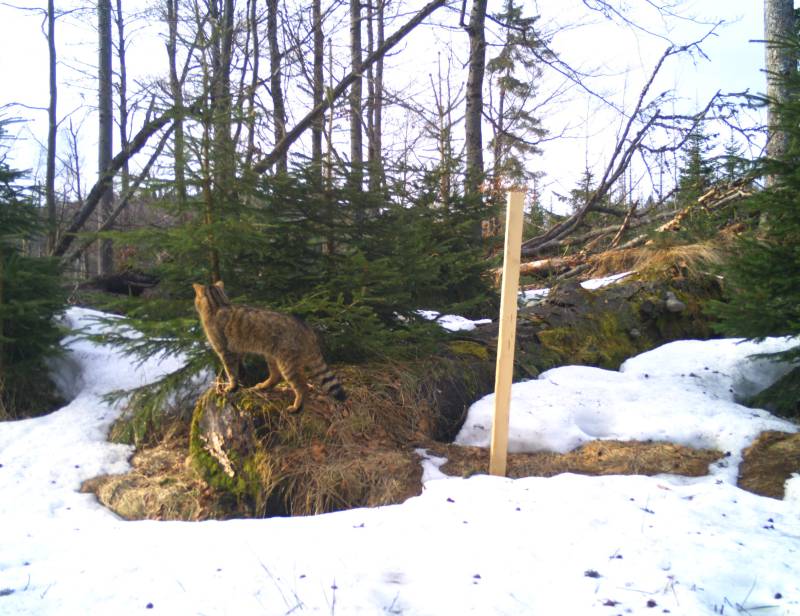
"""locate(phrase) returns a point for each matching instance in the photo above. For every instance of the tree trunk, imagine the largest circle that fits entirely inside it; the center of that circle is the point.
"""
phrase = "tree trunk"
(252, 115)
(124, 175)
(318, 91)
(356, 142)
(223, 159)
(474, 98)
(375, 159)
(176, 90)
(779, 26)
(275, 81)
(52, 127)
(105, 264)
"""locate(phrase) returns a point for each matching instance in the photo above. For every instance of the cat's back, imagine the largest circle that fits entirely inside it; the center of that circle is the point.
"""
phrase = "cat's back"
(257, 330)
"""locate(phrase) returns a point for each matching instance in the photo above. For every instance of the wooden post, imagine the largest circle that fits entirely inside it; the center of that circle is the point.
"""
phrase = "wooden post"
(507, 333)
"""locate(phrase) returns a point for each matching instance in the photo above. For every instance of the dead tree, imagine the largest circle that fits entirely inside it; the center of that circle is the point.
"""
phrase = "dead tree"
(645, 116)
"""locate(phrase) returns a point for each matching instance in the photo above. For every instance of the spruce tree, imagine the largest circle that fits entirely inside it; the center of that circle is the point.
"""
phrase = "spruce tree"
(762, 276)
(697, 170)
(30, 297)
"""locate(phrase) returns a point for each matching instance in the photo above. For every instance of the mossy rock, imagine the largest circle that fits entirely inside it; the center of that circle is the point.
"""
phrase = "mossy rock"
(604, 327)
(266, 461)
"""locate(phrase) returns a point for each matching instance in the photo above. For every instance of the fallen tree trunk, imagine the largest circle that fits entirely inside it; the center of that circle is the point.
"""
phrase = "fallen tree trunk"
(93, 198)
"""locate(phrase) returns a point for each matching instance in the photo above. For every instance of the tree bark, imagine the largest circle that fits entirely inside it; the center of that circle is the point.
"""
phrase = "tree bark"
(318, 90)
(52, 128)
(176, 90)
(275, 81)
(105, 263)
(252, 115)
(375, 146)
(356, 141)
(123, 94)
(474, 98)
(781, 60)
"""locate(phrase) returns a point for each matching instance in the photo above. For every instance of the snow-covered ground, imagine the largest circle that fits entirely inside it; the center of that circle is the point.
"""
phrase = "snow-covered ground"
(567, 545)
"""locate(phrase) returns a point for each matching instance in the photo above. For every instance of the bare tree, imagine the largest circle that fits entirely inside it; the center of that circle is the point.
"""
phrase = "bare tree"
(176, 91)
(318, 89)
(356, 141)
(337, 91)
(474, 95)
(52, 128)
(105, 262)
(642, 121)
(375, 37)
(276, 81)
(122, 90)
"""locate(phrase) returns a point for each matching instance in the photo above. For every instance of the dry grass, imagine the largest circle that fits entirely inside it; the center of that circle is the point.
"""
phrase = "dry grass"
(594, 458)
(160, 486)
(332, 456)
(687, 261)
(769, 462)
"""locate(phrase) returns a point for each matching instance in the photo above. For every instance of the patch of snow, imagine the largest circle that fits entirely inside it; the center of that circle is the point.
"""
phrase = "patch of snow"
(534, 296)
(683, 392)
(430, 466)
(452, 322)
(596, 283)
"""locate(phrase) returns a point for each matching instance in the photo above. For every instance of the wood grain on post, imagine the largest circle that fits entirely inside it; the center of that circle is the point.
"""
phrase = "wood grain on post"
(506, 335)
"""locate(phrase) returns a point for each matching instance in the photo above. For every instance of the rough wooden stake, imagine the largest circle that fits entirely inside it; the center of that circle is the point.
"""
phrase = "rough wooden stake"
(506, 334)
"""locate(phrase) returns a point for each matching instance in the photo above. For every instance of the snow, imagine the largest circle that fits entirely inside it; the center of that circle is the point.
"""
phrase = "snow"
(452, 322)
(484, 545)
(532, 296)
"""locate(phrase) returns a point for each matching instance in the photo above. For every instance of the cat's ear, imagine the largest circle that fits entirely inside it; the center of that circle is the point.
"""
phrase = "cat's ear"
(198, 289)
(220, 284)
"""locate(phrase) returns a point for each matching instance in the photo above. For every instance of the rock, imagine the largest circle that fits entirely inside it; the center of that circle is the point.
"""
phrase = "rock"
(673, 304)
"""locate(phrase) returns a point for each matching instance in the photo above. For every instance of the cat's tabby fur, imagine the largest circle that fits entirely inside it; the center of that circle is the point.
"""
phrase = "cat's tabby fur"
(290, 347)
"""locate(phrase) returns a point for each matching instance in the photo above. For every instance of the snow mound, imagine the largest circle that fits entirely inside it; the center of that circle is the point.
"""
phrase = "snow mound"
(683, 392)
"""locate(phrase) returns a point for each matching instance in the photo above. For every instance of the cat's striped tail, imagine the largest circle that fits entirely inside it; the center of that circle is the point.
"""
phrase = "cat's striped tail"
(322, 375)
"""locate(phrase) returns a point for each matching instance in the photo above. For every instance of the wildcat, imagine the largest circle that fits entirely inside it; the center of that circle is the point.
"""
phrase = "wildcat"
(290, 347)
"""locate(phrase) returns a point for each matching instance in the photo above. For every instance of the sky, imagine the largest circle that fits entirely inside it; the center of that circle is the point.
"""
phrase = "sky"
(482, 545)
(624, 55)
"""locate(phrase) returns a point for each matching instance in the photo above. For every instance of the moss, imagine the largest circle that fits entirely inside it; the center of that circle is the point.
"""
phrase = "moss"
(599, 341)
(469, 348)
(209, 467)
(332, 457)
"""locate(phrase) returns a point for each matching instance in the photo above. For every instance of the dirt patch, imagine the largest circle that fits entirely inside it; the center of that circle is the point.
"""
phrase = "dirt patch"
(594, 458)
(769, 462)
